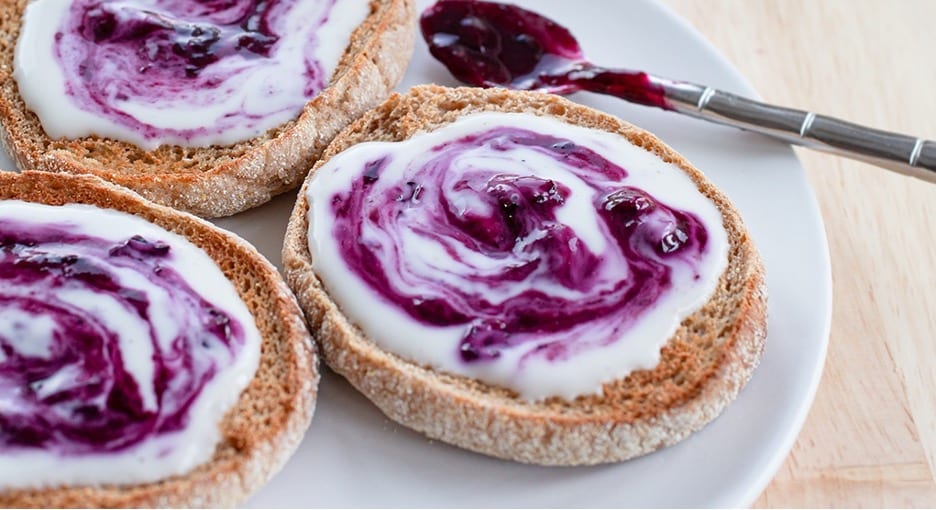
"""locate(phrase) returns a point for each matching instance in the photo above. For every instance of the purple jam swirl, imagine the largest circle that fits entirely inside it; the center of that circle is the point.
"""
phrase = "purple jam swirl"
(175, 47)
(81, 397)
(493, 44)
(124, 59)
(478, 211)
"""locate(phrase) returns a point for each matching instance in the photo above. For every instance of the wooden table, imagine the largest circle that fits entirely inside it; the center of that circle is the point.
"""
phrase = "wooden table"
(870, 438)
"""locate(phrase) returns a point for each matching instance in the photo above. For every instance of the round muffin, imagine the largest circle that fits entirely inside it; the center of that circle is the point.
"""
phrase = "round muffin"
(267, 422)
(218, 181)
(701, 368)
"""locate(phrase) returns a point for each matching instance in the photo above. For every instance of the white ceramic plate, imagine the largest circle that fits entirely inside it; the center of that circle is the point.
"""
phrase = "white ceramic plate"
(354, 456)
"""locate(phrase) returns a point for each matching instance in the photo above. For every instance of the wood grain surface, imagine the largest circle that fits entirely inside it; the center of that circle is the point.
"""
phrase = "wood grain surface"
(870, 438)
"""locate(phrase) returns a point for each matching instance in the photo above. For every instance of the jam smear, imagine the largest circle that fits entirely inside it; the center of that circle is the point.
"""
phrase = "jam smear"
(76, 394)
(181, 72)
(486, 213)
(164, 41)
(492, 44)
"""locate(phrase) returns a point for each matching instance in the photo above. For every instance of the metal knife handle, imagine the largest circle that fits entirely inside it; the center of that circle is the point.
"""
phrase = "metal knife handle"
(908, 155)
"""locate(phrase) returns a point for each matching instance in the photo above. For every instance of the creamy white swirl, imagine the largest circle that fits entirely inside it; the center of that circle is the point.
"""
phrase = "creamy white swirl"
(515, 249)
(185, 72)
(123, 346)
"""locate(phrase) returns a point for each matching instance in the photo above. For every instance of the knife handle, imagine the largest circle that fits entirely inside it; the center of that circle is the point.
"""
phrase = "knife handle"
(908, 155)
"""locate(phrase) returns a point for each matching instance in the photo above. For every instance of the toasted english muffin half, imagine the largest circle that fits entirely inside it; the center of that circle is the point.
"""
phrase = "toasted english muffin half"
(702, 366)
(267, 422)
(218, 181)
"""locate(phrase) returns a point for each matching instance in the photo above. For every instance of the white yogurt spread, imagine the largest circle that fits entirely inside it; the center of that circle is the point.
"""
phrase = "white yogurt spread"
(404, 198)
(147, 322)
(180, 84)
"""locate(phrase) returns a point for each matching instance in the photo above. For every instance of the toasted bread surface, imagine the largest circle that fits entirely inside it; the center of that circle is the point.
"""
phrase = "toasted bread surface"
(266, 424)
(702, 366)
(218, 181)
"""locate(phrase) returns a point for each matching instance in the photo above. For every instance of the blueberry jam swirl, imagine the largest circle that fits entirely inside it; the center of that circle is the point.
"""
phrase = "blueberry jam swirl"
(527, 247)
(108, 352)
(187, 72)
(170, 48)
